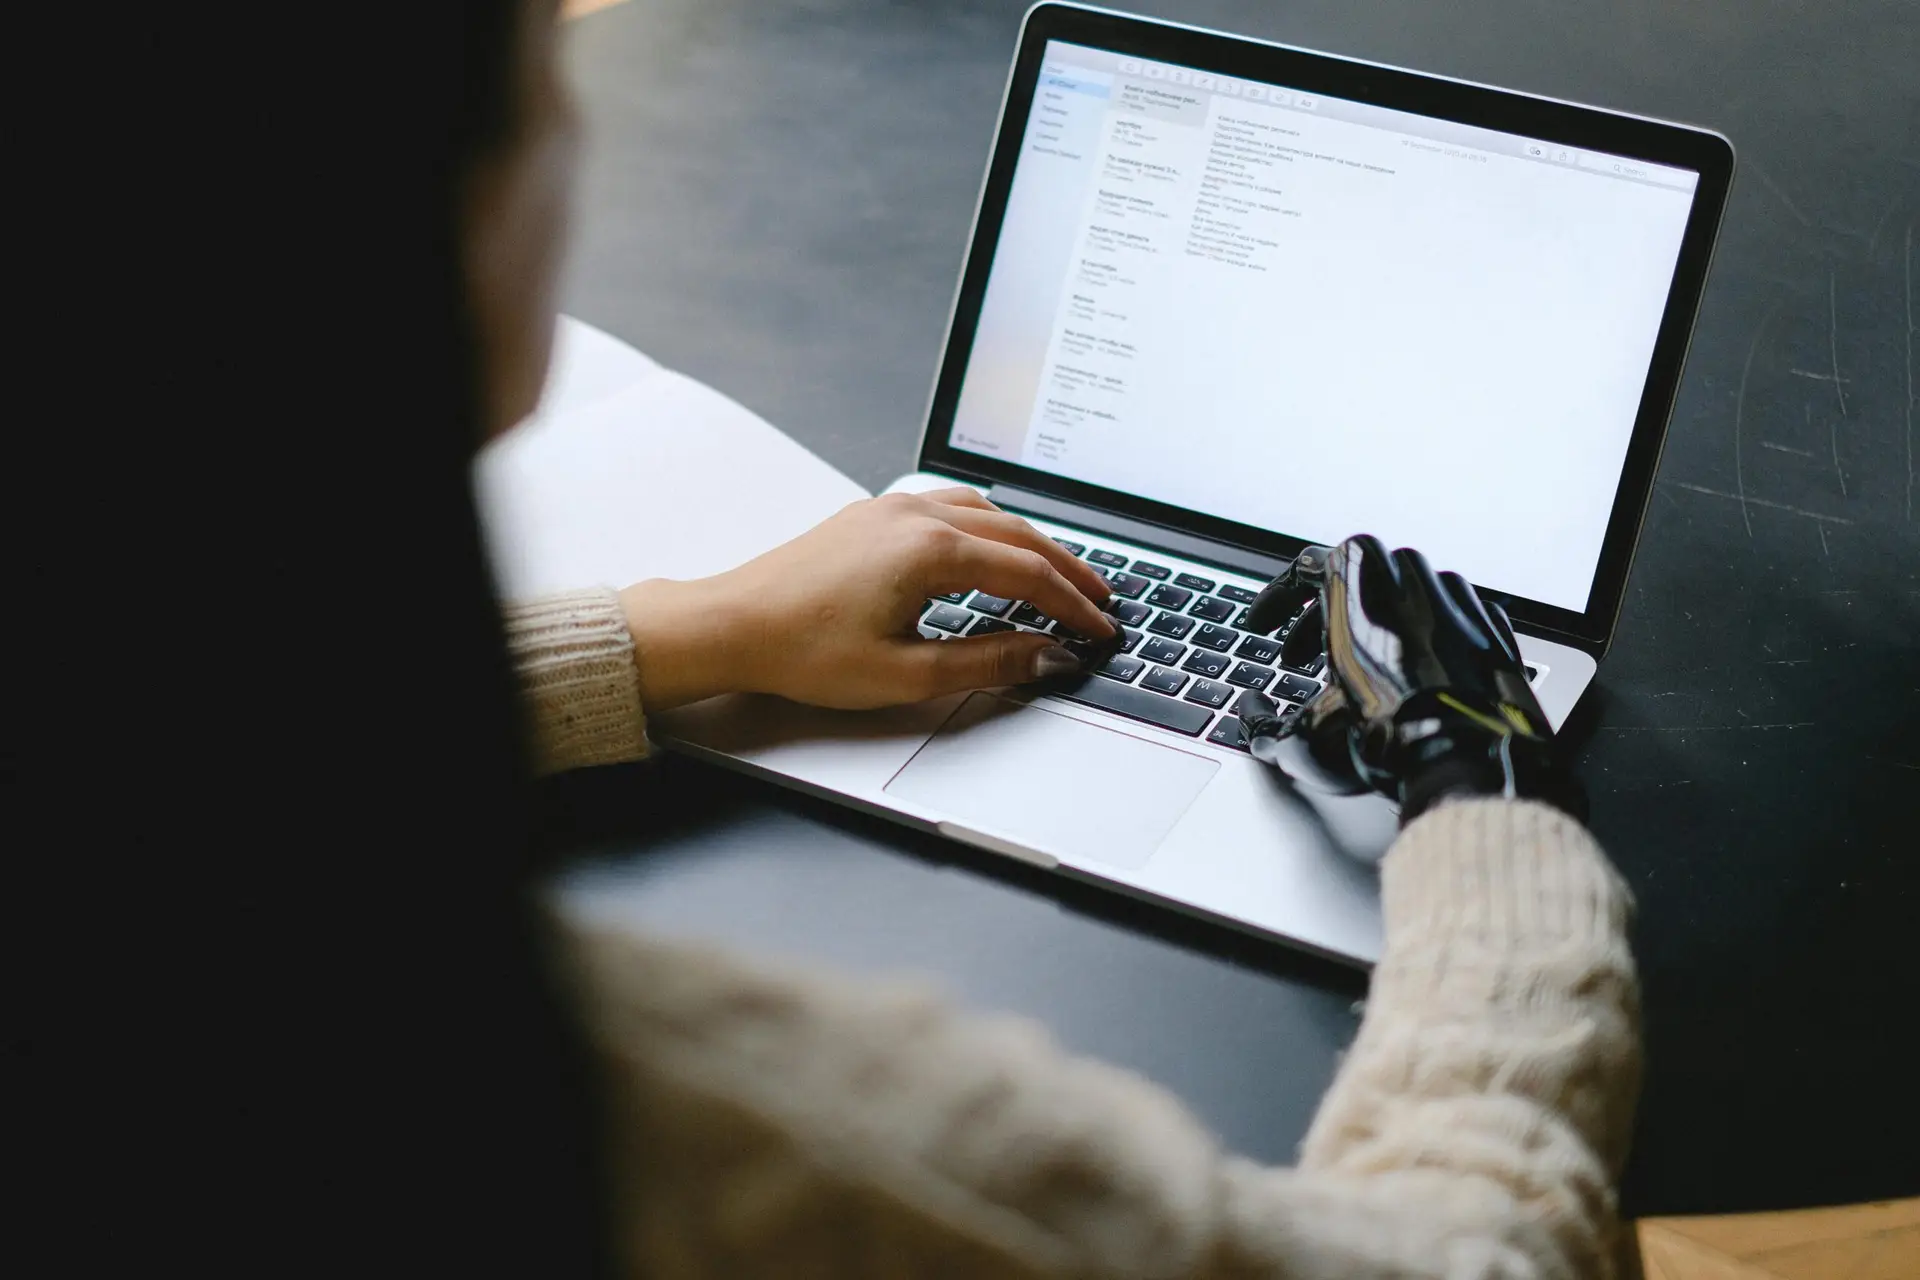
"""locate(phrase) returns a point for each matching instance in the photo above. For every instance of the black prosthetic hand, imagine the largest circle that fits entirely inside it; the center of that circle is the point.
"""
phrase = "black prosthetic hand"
(1427, 697)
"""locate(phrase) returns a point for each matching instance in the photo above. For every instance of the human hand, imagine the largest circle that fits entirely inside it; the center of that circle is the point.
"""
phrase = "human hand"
(830, 618)
(1427, 694)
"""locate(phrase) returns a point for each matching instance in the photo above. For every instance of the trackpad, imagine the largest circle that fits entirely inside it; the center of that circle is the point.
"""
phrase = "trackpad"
(1077, 791)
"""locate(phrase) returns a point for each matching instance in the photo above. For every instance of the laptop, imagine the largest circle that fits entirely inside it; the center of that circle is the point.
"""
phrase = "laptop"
(1226, 299)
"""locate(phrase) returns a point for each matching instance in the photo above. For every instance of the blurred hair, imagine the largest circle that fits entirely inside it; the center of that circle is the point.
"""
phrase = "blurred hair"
(282, 922)
(486, 111)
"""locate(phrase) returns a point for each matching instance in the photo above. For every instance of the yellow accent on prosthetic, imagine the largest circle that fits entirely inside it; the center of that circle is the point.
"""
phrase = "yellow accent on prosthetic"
(1484, 721)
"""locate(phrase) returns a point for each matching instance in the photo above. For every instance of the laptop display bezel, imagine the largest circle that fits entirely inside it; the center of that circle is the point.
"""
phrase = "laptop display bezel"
(1543, 119)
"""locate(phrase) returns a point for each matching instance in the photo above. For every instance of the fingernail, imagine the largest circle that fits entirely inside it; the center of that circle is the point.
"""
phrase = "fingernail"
(1052, 661)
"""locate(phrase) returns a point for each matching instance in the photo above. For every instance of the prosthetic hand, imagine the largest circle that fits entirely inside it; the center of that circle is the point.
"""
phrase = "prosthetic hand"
(1427, 698)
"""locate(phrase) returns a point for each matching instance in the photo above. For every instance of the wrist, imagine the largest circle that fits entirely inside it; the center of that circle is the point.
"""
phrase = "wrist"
(1525, 773)
(686, 641)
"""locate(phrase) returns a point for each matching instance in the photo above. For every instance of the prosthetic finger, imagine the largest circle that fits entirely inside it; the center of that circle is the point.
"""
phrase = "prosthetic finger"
(1311, 744)
(1477, 624)
(1307, 638)
(1282, 598)
(1503, 627)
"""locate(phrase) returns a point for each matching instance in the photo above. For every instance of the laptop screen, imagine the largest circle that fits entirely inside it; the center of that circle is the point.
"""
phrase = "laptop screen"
(1322, 317)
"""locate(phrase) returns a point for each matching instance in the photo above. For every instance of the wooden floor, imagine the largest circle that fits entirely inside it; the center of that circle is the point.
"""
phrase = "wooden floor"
(1860, 1242)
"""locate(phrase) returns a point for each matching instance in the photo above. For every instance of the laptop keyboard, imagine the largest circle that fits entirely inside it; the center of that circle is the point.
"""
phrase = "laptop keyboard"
(1185, 659)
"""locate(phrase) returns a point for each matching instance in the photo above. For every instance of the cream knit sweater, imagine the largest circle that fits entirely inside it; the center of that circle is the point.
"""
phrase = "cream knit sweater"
(771, 1123)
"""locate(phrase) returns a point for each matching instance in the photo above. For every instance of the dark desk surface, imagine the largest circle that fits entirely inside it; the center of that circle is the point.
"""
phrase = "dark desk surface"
(776, 199)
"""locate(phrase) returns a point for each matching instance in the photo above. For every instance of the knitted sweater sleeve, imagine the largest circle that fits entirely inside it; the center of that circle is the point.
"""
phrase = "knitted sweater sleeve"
(581, 690)
(770, 1122)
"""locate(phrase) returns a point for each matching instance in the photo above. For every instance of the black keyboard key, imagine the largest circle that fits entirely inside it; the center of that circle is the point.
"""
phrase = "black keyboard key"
(1219, 639)
(1129, 638)
(1125, 584)
(1296, 688)
(1161, 680)
(1250, 675)
(1138, 704)
(1227, 734)
(1158, 572)
(988, 626)
(953, 597)
(1205, 662)
(1171, 625)
(1107, 558)
(1120, 667)
(1193, 582)
(995, 605)
(947, 618)
(1258, 649)
(1211, 609)
(1028, 616)
(1164, 652)
(1240, 619)
(1310, 667)
(1209, 694)
(1533, 673)
(1073, 548)
(1131, 612)
(1170, 597)
(1239, 595)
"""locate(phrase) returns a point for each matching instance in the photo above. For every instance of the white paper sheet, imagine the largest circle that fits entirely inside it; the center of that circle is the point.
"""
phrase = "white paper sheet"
(588, 364)
(631, 471)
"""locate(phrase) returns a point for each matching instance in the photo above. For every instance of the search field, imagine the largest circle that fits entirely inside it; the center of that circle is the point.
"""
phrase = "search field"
(1622, 168)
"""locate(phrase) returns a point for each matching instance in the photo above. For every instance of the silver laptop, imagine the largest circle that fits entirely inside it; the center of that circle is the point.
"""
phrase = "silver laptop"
(1226, 299)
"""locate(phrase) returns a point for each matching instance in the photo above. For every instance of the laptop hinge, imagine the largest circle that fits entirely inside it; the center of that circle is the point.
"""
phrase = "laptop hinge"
(1253, 564)
(1595, 649)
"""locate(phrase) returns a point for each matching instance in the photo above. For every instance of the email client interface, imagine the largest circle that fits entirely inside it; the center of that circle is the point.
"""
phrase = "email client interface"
(1321, 317)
